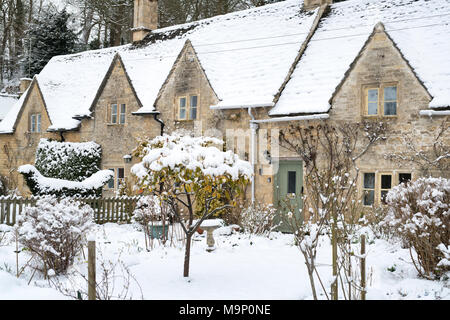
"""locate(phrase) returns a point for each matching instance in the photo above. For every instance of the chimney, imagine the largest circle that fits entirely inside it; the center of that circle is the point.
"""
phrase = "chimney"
(145, 18)
(24, 84)
(312, 4)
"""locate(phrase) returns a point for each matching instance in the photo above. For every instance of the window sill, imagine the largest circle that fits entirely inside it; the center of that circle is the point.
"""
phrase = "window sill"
(186, 120)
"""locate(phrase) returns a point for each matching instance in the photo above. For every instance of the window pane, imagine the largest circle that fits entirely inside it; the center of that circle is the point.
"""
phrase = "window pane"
(182, 113)
(114, 113)
(111, 181)
(120, 176)
(182, 102)
(369, 180)
(121, 173)
(193, 113)
(193, 101)
(33, 123)
(292, 181)
(38, 123)
(390, 94)
(122, 113)
(373, 95)
(372, 108)
(390, 108)
(386, 181)
(383, 196)
(182, 108)
(369, 196)
(404, 177)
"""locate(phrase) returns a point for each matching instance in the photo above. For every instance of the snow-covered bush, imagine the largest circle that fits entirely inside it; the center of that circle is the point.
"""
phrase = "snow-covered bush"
(40, 185)
(258, 219)
(187, 172)
(68, 160)
(54, 231)
(420, 214)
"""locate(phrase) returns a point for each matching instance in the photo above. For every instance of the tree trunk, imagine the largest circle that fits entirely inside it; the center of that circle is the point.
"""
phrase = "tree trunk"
(187, 254)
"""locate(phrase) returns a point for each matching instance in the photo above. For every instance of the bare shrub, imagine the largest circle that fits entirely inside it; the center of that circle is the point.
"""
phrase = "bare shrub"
(53, 230)
(258, 219)
(420, 213)
(148, 213)
(113, 282)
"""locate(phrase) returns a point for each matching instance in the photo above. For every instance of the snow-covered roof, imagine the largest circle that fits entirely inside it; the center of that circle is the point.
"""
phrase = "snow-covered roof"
(420, 29)
(246, 56)
(7, 101)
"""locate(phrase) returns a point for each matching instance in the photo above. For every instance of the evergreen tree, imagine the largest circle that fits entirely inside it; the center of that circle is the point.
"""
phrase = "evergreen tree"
(48, 37)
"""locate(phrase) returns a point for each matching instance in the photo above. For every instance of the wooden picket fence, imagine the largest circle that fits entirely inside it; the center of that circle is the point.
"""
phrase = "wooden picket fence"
(114, 209)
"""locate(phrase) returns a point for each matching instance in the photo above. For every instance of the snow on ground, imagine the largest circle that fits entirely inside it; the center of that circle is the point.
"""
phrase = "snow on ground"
(241, 267)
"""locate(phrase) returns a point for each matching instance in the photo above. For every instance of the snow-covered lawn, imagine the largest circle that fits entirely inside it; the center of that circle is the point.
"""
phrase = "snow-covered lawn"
(241, 267)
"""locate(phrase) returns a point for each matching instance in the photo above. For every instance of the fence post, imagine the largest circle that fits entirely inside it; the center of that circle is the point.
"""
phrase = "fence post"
(363, 267)
(91, 271)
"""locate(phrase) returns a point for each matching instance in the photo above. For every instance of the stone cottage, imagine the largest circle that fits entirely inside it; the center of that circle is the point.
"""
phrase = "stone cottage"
(243, 75)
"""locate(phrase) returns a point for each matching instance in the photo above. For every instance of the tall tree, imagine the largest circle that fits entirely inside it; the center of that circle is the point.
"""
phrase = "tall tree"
(48, 37)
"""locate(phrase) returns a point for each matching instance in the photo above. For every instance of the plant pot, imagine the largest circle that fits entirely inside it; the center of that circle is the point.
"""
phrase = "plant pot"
(200, 230)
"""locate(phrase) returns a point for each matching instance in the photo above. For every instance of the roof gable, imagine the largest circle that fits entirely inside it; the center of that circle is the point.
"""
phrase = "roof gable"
(418, 28)
(379, 28)
(9, 123)
(187, 47)
(117, 59)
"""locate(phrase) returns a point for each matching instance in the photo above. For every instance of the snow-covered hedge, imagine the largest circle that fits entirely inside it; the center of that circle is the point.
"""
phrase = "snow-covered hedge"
(419, 212)
(54, 231)
(68, 160)
(40, 185)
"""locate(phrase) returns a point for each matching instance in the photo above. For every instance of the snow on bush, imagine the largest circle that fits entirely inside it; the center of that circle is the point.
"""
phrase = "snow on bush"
(258, 219)
(419, 212)
(186, 155)
(40, 185)
(54, 230)
(68, 160)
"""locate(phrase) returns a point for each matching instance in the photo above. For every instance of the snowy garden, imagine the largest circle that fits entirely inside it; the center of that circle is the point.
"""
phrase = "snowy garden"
(191, 192)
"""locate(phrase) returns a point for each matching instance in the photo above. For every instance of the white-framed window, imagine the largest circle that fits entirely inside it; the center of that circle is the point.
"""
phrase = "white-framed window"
(35, 122)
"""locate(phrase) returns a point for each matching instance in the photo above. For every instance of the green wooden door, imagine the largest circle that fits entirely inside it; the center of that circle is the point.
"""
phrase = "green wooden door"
(288, 189)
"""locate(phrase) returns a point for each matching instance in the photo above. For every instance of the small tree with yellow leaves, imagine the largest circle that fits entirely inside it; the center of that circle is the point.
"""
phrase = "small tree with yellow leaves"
(187, 172)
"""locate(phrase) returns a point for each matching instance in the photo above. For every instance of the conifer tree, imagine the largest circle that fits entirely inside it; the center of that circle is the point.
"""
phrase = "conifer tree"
(48, 37)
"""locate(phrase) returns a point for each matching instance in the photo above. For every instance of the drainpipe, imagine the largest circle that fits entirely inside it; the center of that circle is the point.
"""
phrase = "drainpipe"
(254, 128)
(155, 115)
